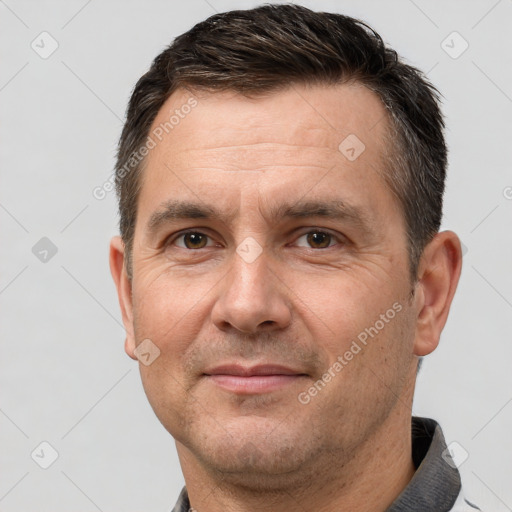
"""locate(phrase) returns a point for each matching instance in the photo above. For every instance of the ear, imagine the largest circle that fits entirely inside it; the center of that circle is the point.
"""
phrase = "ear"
(124, 291)
(438, 276)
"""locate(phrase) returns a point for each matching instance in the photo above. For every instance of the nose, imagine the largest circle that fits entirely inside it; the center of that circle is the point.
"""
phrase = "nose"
(252, 298)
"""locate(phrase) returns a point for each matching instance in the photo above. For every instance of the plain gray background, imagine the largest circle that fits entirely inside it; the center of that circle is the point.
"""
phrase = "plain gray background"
(64, 376)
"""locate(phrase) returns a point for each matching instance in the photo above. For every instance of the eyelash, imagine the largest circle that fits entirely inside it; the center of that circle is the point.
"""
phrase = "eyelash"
(171, 240)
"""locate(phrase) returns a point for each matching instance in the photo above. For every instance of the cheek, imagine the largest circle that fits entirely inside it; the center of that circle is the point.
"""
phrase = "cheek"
(169, 311)
(169, 314)
(339, 309)
(367, 341)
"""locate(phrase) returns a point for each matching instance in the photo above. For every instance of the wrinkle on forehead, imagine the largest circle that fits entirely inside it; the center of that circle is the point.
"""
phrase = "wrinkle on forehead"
(257, 156)
(301, 127)
(296, 116)
(227, 134)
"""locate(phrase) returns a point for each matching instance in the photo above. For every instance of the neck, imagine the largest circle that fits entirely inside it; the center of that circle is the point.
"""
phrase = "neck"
(370, 480)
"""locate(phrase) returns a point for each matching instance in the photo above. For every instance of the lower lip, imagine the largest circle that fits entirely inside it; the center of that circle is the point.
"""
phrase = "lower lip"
(254, 383)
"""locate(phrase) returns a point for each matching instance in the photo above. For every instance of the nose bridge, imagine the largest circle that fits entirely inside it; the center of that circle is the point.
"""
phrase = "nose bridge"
(251, 298)
(250, 272)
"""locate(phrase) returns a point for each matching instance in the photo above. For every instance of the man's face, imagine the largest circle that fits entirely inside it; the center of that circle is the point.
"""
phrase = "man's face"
(295, 250)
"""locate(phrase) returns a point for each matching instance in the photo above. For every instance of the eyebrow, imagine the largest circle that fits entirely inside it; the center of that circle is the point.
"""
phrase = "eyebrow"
(173, 210)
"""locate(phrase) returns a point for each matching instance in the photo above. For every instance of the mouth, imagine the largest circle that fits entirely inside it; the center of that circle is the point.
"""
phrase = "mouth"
(253, 380)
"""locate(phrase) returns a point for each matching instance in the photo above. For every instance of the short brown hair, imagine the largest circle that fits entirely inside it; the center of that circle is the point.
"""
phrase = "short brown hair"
(271, 47)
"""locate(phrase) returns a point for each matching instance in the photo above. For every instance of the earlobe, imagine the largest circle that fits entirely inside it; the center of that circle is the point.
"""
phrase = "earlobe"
(124, 291)
(129, 347)
(438, 276)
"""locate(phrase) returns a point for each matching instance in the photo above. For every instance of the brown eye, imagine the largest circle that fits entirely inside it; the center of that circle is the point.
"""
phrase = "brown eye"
(318, 239)
(194, 240)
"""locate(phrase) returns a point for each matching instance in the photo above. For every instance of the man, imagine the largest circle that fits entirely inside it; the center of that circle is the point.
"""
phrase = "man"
(280, 268)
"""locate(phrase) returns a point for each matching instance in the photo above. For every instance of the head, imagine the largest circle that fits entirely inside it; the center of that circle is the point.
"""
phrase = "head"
(267, 49)
(285, 210)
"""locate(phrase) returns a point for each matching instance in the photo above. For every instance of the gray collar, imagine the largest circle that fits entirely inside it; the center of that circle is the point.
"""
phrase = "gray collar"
(436, 484)
(433, 488)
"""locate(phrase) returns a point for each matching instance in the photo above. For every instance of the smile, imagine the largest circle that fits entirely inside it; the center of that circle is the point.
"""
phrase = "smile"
(257, 379)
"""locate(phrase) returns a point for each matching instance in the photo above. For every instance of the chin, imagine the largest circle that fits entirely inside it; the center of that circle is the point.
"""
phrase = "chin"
(253, 454)
(256, 469)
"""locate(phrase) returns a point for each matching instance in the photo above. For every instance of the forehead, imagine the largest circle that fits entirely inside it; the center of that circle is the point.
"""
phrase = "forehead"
(304, 142)
(303, 122)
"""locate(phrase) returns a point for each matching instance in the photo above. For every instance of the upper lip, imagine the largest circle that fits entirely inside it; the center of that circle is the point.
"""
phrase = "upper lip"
(245, 371)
